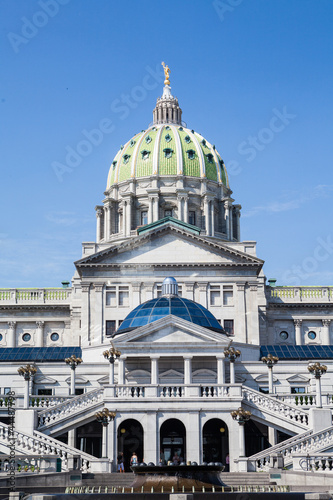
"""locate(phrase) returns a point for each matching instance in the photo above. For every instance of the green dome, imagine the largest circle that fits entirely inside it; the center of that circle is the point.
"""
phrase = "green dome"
(167, 150)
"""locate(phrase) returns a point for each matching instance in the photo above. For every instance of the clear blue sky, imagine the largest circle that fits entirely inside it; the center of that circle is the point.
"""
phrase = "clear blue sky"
(255, 77)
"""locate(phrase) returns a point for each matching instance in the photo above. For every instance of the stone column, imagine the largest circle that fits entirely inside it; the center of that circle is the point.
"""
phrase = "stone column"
(272, 437)
(232, 372)
(220, 369)
(150, 210)
(187, 370)
(40, 333)
(136, 286)
(326, 331)
(212, 217)
(180, 208)
(99, 214)
(253, 317)
(203, 293)
(154, 379)
(186, 209)
(298, 331)
(11, 341)
(112, 451)
(85, 314)
(150, 444)
(111, 371)
(319, 403)
(128, 216)
(156, 217)
(106, 222)
(231, 220)
(104, 441)
(207, 216)
(149, 288)
(226, 217)
(121, 371)
(241, 319)
(97, 329)
(193, 437)
(238, 214)
(188, 291)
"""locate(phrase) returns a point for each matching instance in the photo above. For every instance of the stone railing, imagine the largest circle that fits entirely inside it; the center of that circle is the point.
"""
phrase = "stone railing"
(175, 391)
(34, 295)
(281, 409)
(47, 401)
(308, 442)
(300, 294)
(307, 400)
(313, 462)
(70, 407)
(39, 444)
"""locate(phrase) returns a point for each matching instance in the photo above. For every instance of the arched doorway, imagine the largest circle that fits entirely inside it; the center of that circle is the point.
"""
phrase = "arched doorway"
(173, 440)
(129, 439)
(215, 441)
(89, 438)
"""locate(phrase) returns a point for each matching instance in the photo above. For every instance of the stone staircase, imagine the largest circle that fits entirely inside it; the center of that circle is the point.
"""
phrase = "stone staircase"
(269, 410)
(303, 444)
(40, 444)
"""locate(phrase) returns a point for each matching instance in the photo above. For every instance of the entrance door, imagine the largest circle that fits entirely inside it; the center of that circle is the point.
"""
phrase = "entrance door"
(130, 438)
(173, 441)
(215, 441)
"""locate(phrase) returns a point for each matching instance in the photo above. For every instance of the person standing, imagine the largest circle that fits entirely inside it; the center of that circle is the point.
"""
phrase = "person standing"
(134, 459)
(120, 462)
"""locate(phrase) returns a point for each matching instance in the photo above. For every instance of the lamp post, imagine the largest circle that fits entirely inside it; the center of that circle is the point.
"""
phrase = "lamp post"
(241, 416)
(318, 370)
(270, 361)
(111, 354)
(73, 362)
(232, 354)
(104, 417)
(27, 372)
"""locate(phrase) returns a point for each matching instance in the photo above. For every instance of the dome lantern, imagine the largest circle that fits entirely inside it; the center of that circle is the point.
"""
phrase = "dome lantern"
(167, 109)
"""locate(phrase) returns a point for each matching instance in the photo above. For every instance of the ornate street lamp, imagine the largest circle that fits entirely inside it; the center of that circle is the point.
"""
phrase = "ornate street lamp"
(27, 372)
(73, 362)
(232, 354)
(318, 370)
(104, 417)
(111, 354)
(241, 416)
(270, 361)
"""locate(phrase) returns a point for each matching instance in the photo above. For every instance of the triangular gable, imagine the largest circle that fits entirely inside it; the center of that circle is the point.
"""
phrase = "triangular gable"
(172, 330)
(298, 379)
(158, 246)
(170, 374)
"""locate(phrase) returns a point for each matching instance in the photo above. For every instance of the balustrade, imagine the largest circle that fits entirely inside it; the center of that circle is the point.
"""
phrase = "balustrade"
(300, 294)
(37, 295)
(46, 401)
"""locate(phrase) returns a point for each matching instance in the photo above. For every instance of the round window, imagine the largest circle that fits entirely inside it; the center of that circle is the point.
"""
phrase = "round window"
(26, 337)
(312, 335)
(284, 335)
(54, 337)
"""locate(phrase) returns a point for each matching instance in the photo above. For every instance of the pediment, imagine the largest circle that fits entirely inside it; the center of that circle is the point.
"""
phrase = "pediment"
(173, 330)
(169, 245)
(263, 379)
(295, 379)
(79, 379)
(203, 375)
(138, 374)
(45, 380)
(170, 374)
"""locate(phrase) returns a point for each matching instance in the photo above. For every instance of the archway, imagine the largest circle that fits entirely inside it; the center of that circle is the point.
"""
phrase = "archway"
(89, 438)
(215, 441)
(129, 439)
(173, 440)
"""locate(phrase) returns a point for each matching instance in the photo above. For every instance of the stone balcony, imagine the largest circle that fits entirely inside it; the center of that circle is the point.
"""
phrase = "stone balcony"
(11, 296)
(297, 294)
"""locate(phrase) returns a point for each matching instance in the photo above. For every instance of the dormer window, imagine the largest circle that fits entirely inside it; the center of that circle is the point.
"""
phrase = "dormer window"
(167, 138)
(190, 154)
(187, 139)
(203, 142)
(180, 128)
(168, 152)
(114, 163)
(126, 158)
(148, 139)
(210, 158)
(167, 127)
(145, 154)
(132, 143)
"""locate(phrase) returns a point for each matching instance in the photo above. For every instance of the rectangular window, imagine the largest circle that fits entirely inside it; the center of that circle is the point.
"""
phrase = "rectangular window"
(123, 296)
(191, 218)
(215, 295)
(111, 297)
(228, 325)
(227, 296)
(297, 390)
(180, 291)
(167, 213)
(158, 290)
(144, 218)
(7, 390)
(110, 327)
(79, 391)
(44, 392)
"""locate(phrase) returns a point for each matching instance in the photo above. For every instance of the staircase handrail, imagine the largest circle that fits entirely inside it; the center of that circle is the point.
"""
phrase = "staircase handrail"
(73, 400)
(300, 416)
(278, 447)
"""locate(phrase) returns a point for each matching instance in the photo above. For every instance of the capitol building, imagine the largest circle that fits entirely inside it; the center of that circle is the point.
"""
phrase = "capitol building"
(169, 340)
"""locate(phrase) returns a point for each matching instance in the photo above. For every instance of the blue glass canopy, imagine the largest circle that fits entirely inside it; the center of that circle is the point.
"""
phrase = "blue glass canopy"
(155, 309)
(298, 351)
(39, 354)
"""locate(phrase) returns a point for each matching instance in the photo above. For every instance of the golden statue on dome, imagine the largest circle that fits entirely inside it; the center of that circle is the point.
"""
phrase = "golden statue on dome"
(166, 74)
